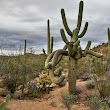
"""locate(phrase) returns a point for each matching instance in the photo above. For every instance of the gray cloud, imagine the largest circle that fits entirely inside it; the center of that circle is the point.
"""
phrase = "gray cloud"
(20, 19)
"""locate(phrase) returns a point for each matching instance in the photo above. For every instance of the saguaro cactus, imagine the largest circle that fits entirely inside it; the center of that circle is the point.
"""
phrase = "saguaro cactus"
(24, 46)
(108, 57)
(74, 51)
(49, 40)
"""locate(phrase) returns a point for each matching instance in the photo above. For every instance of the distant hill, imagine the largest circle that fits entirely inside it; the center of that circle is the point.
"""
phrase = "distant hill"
(102, 48)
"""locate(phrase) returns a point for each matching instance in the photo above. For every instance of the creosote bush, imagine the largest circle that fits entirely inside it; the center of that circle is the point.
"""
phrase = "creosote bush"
(103, 87)
(33, 90)
(96, 103)
(68, 99)
(91, 84)
(19, 70)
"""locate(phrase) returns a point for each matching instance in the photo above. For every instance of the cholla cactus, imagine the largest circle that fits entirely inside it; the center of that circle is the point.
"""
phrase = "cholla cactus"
(43, 81)
(49, 40)
(74, 51)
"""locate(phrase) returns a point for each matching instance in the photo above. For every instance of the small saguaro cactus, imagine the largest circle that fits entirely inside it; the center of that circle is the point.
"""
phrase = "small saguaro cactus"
(74, 51)
(108, 57)
(49, 40)
(25, 46)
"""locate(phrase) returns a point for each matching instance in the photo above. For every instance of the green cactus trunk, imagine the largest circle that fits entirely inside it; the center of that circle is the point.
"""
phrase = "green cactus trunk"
(51, 75)
(108, 43)
(55, 80)
(108, 57)
(72, 75)
(48, 38)
(25, 46)
(49, 41)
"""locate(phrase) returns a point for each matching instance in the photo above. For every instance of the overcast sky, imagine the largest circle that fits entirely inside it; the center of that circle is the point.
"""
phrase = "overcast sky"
(20, 19)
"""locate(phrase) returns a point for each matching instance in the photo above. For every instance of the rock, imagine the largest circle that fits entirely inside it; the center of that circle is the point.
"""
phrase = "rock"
(17, 95)
(53, 104)
(53, 85)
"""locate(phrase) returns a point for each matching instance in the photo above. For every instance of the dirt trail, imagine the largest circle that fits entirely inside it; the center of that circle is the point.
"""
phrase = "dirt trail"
(51, 101)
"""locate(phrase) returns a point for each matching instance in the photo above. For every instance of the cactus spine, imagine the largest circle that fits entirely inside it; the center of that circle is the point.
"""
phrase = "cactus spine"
(74, 51)
(49, 40)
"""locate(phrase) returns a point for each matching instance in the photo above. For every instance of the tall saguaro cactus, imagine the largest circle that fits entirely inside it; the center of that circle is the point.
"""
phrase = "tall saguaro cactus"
(49, 40)
(74, 51)
(108, 56)
(25, 46)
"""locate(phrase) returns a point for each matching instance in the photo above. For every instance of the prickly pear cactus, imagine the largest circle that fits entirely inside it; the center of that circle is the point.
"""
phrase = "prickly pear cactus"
(3, 105)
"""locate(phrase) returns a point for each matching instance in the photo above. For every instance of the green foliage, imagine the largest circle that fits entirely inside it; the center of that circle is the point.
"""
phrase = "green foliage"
(91, 84)
(85, 76)
(3, 105)
(10, 84)
(18, 70)
(68, 99)
(95, 103)
(33, 90)
(5, 92)
(103, 87)
(99, 67)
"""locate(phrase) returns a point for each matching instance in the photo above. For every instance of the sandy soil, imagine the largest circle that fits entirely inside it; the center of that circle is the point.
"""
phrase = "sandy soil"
(51, 101)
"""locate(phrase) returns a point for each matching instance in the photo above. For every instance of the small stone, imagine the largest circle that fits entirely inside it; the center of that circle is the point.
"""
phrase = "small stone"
(53, 104)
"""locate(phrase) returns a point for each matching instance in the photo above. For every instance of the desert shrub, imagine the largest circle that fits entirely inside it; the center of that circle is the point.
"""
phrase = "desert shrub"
(78, 90)
(33, 90)
(10, 84)
(95, 103)
(91, 84)
(18, 70)
(5, 92)
(85, 76)
(85, 70)
(68, 99)
(99, 66)
(103, 87)
(53, 104)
